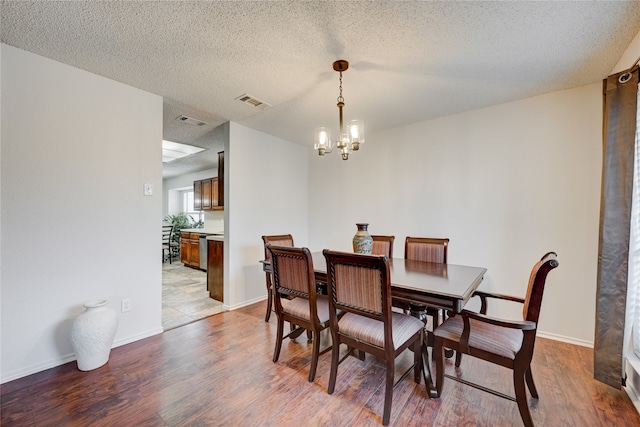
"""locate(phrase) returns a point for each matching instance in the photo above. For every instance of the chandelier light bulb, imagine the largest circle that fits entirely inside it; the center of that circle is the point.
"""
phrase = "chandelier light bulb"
(355, 129)
(322, 140)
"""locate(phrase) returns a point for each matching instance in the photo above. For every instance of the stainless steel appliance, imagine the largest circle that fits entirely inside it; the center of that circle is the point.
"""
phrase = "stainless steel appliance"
(203, 252)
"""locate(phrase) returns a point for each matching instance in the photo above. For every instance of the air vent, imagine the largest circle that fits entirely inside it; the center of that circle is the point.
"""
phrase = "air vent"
(253, 101)
(191, 121)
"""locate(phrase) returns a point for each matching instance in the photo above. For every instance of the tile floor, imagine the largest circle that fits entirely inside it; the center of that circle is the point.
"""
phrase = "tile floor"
(185, 298)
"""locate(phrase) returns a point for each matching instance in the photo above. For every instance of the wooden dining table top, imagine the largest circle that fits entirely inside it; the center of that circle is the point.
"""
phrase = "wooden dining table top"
(448, 286)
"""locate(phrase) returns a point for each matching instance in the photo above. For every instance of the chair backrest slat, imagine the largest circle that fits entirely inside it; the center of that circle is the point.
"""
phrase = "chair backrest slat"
(426, 249)
(362, 288)
(291, 273)
(276, 240)
(382, 245)
(167, 230)
(359, 284)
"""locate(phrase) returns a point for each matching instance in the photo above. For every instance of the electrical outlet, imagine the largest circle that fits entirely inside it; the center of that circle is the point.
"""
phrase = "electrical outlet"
(126, 304)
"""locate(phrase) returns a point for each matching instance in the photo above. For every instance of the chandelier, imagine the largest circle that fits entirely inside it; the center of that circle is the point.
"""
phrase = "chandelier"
(348, 140)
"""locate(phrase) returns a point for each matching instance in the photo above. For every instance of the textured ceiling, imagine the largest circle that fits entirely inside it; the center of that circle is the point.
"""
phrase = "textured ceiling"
(409, 61)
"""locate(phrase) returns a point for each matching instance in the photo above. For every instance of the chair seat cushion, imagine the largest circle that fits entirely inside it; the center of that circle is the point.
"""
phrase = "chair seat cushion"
(371, 331)
(299, 307)
(505, 342)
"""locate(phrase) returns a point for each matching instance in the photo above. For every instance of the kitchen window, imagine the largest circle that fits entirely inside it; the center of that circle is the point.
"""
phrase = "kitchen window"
(187, 206)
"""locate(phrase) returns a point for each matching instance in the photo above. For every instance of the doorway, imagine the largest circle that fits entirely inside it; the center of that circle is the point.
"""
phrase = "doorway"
(185, 298)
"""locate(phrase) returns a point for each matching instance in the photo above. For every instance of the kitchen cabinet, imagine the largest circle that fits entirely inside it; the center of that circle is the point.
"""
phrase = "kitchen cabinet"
(208, 194)
(215, 272)
(205, 195)
(197, 195)
(184, 247)
(221, 178)
(190, 249)
(194, 250)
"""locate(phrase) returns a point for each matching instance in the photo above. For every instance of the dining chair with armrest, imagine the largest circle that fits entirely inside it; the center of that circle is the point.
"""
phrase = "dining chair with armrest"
(293, 277)
(278, 240)
(360, 287)
(502, 342)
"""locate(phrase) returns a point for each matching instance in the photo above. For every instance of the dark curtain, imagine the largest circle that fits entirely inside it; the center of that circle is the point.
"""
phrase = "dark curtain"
(620, 103)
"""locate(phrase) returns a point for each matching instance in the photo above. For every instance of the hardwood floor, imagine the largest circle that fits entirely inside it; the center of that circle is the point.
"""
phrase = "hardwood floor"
(218, 371)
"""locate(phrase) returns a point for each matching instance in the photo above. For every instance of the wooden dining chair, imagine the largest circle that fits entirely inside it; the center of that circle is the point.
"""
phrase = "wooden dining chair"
(427, 249)
(383, 245)
(502, 342)
(360, 287)
(278, 240)
(294, 278)
(167, 244)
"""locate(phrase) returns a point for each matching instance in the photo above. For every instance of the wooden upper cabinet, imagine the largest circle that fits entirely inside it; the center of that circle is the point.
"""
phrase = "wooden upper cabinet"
(215, 195)
(207, 193)
(221, 179)
(197, 195)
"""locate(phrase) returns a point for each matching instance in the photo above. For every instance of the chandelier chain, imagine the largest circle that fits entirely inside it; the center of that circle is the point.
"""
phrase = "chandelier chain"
(340, 98)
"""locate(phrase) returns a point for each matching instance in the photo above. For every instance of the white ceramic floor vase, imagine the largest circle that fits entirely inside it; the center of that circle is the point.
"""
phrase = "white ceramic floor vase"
(92, 334)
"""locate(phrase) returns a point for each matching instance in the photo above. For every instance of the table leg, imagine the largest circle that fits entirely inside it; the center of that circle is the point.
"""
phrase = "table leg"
(419, 311)
(426, 372)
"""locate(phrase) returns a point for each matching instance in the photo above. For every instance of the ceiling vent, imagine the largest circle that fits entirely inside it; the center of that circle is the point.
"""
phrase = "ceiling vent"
(254, 102)
(191, 121)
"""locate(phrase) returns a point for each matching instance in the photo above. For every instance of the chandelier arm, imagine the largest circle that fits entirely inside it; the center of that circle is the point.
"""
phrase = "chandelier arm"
(340, 105)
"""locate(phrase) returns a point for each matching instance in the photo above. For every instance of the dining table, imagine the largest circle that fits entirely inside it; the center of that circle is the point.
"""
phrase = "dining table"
(422, 284)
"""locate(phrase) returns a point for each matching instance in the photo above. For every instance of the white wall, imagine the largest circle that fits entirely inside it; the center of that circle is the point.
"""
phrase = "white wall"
(265, 193)
(76, 149)
(629, 57)
(506, 184)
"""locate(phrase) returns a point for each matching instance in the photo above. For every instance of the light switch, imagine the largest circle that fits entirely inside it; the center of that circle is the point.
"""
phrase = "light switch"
(148, 189)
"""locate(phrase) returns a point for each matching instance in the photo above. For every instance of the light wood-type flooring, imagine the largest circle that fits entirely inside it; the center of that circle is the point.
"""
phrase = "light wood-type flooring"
(218, 372)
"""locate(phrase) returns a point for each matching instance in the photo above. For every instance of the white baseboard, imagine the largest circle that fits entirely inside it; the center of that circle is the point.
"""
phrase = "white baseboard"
(134, 338)
(569, 340)
(632, 369)
(244, 303)
(34, 369)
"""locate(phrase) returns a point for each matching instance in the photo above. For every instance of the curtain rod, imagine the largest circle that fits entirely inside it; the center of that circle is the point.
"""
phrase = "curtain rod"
(626, 75)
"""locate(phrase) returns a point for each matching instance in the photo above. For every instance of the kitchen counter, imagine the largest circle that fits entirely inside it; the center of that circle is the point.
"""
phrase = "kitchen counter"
(216, 237)
(203, 231)
(215, 267)
(193, 246)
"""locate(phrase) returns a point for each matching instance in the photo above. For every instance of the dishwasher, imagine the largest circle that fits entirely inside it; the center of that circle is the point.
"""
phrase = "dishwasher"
(203, 252)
